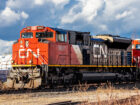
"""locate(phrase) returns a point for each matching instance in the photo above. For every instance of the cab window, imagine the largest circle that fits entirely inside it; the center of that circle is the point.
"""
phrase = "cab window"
(44, 35)
(27, 35)
(61, 37)
(138, 46)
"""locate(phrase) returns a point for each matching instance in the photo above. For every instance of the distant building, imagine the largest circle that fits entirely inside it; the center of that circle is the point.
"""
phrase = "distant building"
(5, 62)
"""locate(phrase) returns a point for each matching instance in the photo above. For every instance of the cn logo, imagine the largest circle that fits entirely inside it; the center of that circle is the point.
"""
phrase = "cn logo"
(99, 50)
(28, 51)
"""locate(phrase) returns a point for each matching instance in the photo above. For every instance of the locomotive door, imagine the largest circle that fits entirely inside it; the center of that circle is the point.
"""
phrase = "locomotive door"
(63, 54)
(86, 57)
(59, 54)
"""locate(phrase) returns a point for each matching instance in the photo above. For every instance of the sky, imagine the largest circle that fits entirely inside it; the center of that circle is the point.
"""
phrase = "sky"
(118, 17)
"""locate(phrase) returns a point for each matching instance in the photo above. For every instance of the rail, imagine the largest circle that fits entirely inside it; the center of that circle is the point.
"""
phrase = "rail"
(69, 103)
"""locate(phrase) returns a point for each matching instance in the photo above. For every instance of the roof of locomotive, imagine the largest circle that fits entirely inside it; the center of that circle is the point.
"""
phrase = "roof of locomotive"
(97, 39)
(108, 35)
(64, 31)
(113, 38)
(59, 30)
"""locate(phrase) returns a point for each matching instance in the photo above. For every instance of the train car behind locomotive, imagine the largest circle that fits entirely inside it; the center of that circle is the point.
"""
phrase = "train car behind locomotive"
(46, 56)
(136, 52)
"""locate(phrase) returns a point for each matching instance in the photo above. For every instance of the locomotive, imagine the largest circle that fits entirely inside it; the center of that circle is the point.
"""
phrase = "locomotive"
(47, 56)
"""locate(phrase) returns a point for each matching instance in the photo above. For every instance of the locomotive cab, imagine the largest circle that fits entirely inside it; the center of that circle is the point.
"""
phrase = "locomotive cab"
(32, 44)
(38, 32)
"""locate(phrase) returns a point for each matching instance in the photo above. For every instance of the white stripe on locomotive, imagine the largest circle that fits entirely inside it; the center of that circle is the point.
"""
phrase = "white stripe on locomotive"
(78, 53)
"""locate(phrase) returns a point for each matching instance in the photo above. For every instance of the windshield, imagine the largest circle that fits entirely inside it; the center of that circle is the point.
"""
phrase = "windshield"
(27, 35)
(44, 34)
(138, 46)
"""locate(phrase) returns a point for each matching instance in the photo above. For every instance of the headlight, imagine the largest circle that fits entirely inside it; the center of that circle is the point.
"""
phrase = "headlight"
(12, 61)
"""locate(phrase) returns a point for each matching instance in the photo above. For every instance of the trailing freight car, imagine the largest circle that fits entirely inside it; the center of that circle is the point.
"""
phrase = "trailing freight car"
(45, 56)
(136, 52)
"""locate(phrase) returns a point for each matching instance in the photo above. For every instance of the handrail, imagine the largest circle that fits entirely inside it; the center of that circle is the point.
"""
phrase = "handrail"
(44, 59)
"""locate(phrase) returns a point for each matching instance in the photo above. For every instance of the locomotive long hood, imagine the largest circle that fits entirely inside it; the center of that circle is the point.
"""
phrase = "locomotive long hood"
(114, 38)
(122, 40)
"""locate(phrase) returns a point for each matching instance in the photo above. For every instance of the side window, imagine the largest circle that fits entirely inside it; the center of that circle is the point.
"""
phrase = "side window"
(61, 37)
(138, 46)
(65, 37)
(79, 39)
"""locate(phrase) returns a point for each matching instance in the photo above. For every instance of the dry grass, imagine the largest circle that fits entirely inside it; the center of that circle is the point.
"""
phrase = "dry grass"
(101, 96)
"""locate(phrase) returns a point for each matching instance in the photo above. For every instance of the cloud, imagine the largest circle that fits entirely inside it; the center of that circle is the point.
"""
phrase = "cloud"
(85, 9)
(123, 15)
(13, 3)
(96, 16)
(15, 10)
(24, 15)
(39, 2)
(103, 16)
(55, 2)
(6, 47)
(8, 16)
(26, 4)
(60, 2)
(103, 27)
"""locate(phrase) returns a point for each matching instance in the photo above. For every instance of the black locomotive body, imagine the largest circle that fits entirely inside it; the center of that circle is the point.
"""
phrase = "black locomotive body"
(102, 58)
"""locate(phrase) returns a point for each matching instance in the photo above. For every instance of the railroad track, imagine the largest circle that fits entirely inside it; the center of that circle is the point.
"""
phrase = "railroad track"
(62, 92)
(127, 101)
(68, 103)
(80, 87)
